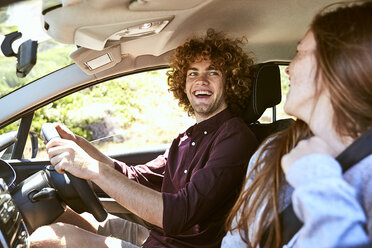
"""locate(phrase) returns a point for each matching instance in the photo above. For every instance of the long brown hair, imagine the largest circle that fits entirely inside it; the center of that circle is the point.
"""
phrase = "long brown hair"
(343, 36)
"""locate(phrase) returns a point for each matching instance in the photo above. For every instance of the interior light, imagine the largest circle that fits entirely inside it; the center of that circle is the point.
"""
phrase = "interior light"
(143, 29)
(146, 25)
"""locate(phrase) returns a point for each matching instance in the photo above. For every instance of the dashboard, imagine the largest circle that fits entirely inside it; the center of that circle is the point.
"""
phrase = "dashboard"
(13, 231)
(39, 200)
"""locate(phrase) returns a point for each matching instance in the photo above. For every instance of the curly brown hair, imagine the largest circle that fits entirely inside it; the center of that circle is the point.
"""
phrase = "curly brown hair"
(225, 55)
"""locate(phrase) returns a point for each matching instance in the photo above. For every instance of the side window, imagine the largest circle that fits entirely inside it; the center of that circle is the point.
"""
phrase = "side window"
(267, 116)
(130, 112)
(11, 130)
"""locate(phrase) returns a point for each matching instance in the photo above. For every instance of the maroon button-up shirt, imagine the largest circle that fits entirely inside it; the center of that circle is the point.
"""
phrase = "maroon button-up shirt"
(200, 179)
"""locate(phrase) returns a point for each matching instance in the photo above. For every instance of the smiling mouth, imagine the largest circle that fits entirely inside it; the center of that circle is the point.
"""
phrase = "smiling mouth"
(202, 93)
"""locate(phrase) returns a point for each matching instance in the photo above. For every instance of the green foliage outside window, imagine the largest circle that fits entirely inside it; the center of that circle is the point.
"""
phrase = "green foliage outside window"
(51, 56)
(82, 109)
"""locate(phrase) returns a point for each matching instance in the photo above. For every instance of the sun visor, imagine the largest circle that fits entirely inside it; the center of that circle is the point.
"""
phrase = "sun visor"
(96, 25)
(98, 37)
(92, 61)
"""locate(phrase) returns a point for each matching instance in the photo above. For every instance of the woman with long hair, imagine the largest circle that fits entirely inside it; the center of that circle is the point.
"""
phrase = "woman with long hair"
(331, 97)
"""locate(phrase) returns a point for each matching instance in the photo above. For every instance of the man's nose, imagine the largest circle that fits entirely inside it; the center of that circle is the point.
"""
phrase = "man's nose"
(202, 79)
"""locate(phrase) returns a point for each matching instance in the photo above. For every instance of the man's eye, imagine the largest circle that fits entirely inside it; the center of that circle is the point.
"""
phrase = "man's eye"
(192, 74)
(214, 73)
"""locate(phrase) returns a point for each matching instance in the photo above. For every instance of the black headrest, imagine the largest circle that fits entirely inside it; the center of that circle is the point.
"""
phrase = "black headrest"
(266, 91)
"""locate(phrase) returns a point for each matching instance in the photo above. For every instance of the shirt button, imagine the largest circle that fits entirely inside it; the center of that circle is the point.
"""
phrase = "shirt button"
(205, 132)
(193, 143)
(185, 171)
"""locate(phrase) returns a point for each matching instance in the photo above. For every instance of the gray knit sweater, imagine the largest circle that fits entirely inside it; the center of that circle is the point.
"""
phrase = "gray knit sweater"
(336, 209)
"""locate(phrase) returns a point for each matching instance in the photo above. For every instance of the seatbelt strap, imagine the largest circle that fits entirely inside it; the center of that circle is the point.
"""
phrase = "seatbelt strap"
(359, 149)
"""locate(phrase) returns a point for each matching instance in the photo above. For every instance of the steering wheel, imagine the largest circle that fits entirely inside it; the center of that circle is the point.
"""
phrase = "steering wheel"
(89, 198)
(81, 186)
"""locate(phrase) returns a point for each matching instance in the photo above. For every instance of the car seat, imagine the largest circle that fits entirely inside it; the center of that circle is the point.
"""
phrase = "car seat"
(266, 93)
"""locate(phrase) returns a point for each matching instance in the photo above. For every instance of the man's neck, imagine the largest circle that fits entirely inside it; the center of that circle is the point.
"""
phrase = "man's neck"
(200, 117)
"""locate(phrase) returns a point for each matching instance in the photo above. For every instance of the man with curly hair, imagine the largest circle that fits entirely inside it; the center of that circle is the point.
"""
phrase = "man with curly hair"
(186, 193)
(225, 55)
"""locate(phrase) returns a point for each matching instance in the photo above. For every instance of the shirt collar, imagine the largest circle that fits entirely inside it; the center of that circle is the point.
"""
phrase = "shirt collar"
(210, 125)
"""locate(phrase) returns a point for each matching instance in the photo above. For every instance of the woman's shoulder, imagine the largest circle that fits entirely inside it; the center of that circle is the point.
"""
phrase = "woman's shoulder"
(233, 239)
(360, 177)
(360, 172)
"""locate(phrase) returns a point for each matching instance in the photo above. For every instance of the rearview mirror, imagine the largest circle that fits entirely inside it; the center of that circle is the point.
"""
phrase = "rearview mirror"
(26, 57)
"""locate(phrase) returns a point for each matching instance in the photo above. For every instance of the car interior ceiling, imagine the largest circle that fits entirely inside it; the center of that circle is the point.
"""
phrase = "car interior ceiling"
(96, 36)
(266, 86)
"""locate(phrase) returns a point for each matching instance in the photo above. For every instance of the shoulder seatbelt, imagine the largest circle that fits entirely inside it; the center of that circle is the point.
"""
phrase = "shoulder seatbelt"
(358, 150)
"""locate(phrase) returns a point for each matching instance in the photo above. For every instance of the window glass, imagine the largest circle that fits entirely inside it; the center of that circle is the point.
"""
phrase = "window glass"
(130, 112)
(280, 114)
(24, 17)
(11, 130)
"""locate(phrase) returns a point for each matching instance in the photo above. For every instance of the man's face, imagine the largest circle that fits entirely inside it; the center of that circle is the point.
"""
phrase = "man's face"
(205, 89)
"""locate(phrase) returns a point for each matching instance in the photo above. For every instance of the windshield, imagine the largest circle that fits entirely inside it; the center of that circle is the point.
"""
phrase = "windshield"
(24, 17)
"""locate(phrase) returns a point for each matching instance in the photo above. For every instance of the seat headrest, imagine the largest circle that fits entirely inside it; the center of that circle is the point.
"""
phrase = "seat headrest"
(266, 91)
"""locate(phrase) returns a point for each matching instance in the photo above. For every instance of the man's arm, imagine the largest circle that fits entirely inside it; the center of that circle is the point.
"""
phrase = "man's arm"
(93, 151)
(150, 174)
(65, 133)
(67, 155)
(139, 199)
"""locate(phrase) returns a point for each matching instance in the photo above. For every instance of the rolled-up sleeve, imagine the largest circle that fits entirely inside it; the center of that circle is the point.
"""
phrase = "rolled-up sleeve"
(150, 174)
(209, 195)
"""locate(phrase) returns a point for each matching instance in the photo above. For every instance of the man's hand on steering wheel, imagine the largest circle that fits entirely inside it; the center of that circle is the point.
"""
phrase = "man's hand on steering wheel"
(67, 156)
